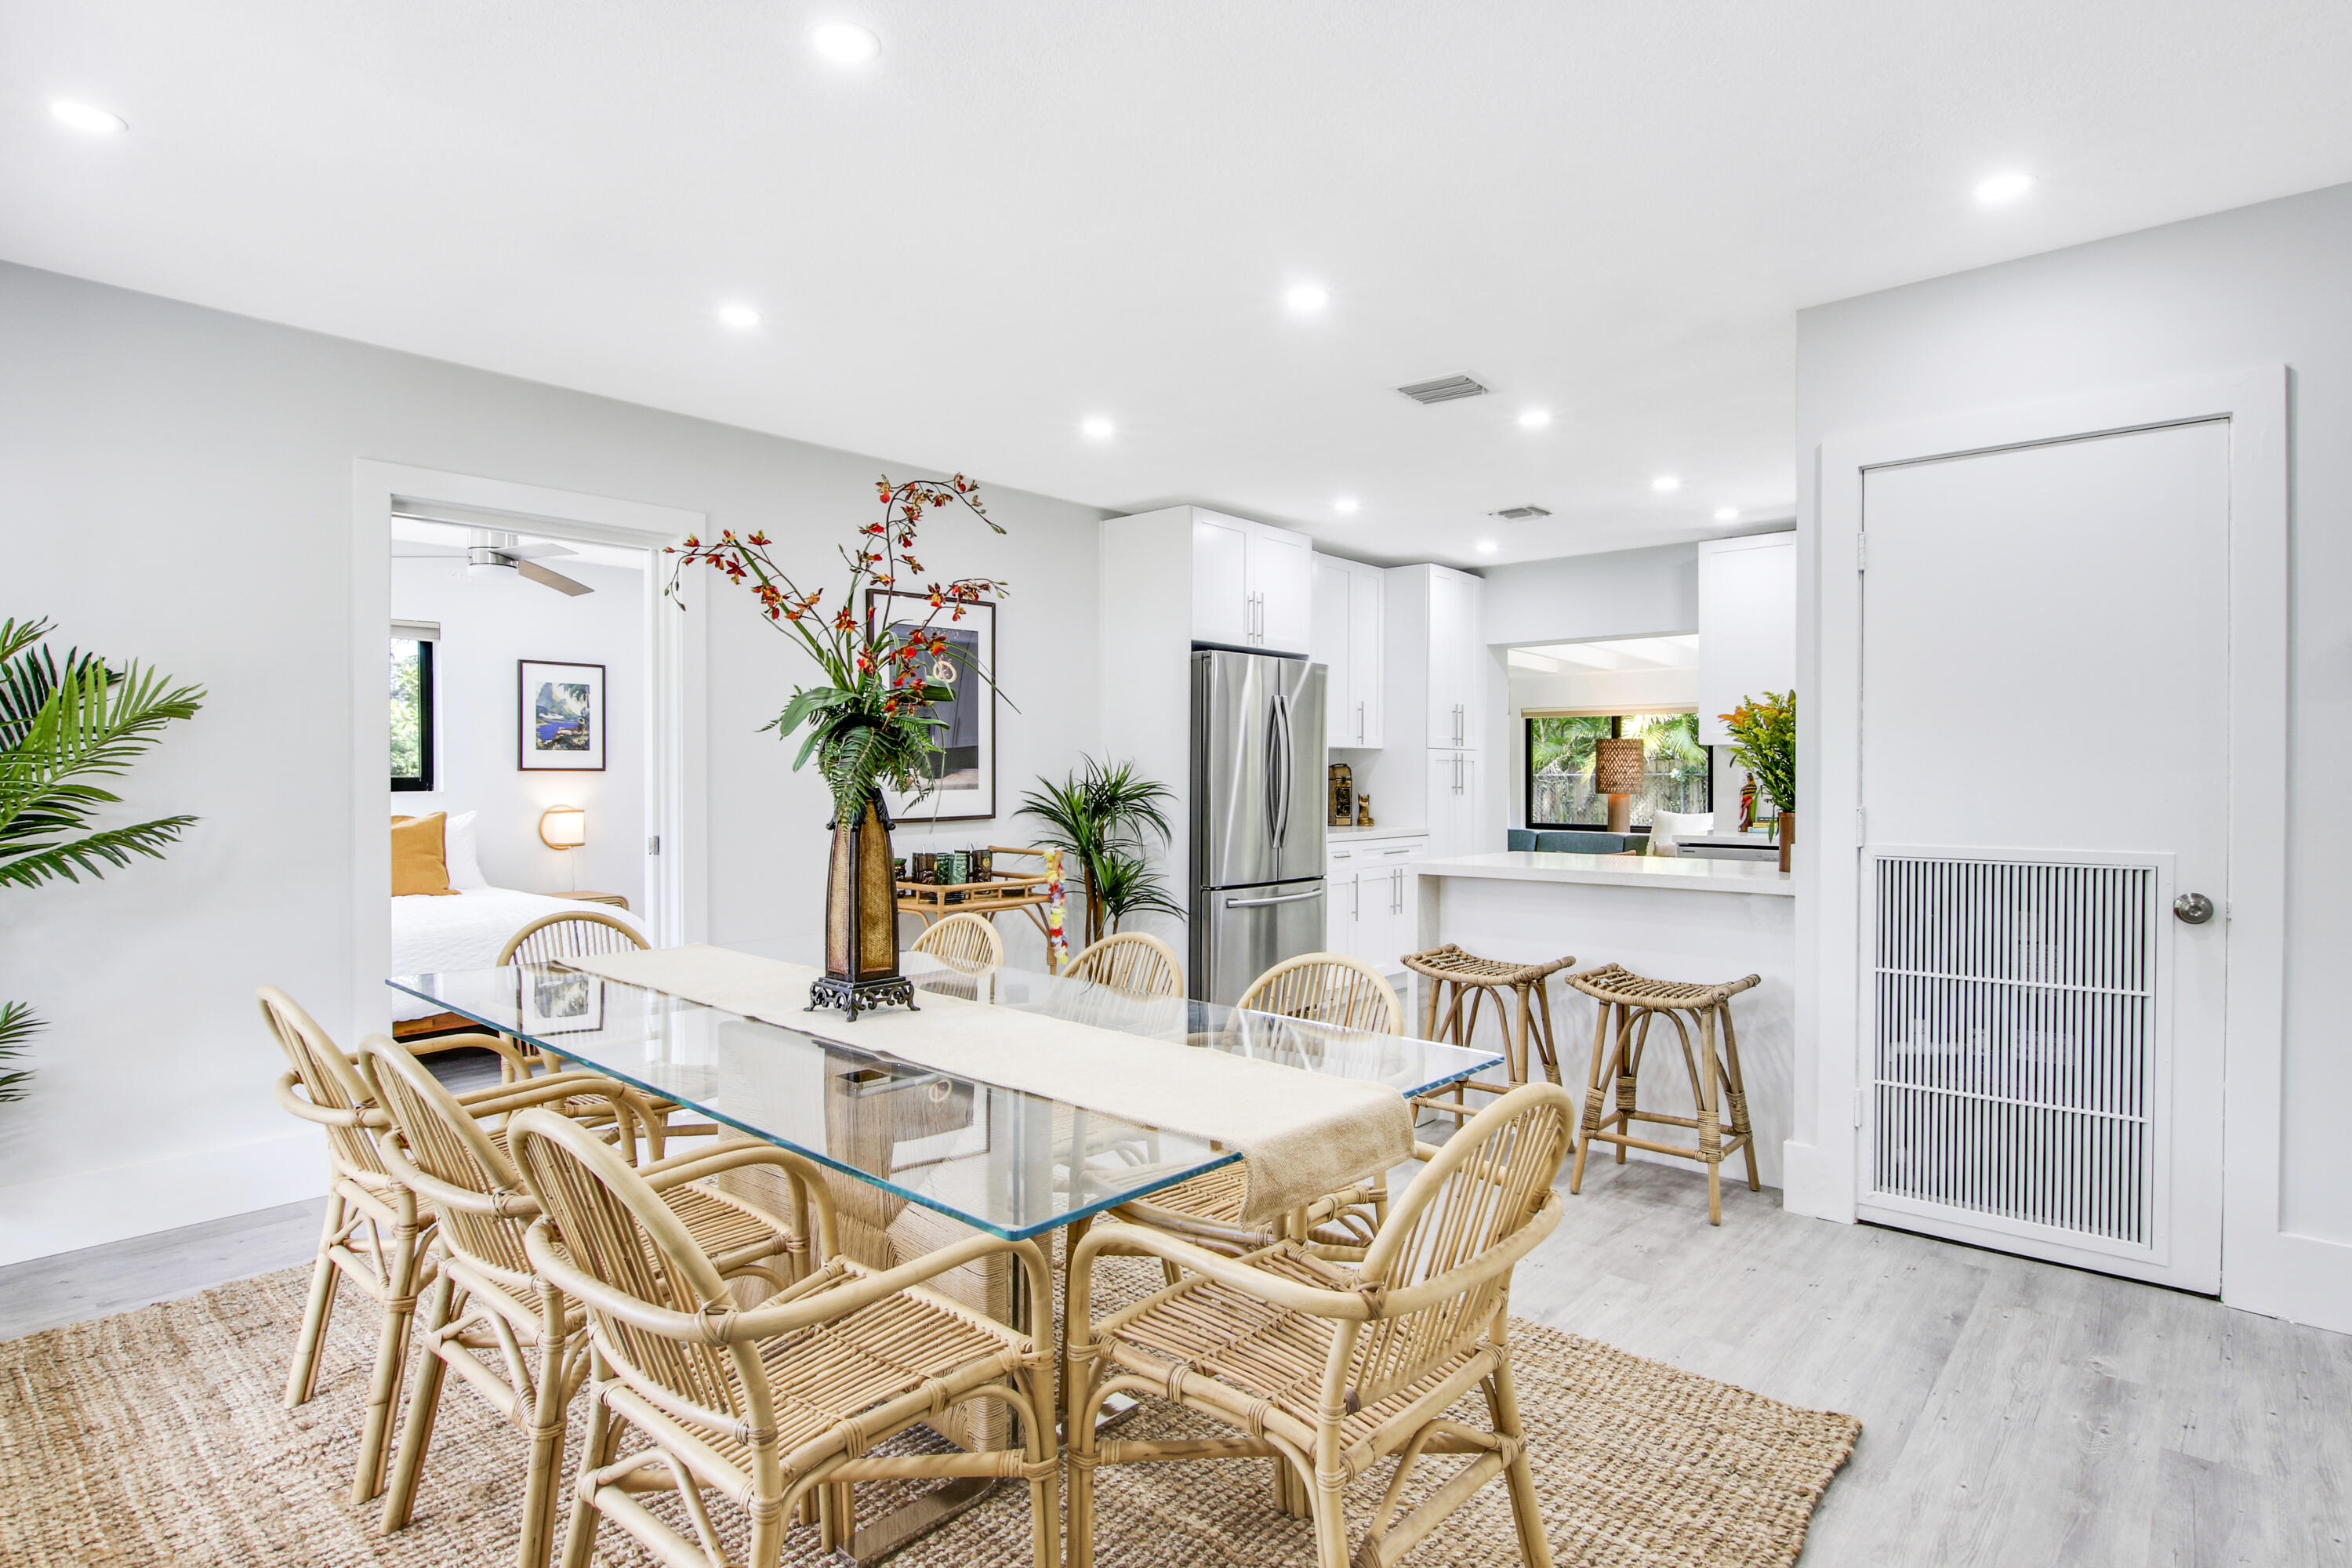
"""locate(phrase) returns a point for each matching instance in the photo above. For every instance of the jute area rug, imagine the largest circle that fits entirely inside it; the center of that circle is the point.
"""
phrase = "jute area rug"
(158, 1437)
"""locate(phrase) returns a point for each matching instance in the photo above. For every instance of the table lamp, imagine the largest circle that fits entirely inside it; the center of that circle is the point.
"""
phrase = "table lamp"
(1617, 774)
(564, 827)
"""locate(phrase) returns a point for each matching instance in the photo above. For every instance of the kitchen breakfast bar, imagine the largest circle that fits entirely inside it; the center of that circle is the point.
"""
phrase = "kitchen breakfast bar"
(1666, 918)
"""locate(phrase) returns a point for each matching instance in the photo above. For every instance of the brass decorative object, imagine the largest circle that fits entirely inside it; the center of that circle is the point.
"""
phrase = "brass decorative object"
(1343, 796)
(861, 919)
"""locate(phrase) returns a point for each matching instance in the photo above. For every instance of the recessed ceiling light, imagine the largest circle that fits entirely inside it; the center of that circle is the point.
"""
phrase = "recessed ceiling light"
(1535, 418)
(1487, 547)
(845, 43)
(1099, 429)
(742, 317)
(1665, 482)
(88, 117)
(1306, 298)
(1999, 188)
(1345, 503)
(1727, 514)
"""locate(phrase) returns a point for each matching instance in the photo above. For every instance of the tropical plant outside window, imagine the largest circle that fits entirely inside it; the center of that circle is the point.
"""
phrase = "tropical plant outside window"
(1676, 771)
(412, 714)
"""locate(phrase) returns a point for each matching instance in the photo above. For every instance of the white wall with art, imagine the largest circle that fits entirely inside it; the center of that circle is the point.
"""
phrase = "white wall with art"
(503, 642)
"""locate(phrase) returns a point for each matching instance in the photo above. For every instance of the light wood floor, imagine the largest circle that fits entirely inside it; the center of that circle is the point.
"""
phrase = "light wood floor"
(2014, 1413)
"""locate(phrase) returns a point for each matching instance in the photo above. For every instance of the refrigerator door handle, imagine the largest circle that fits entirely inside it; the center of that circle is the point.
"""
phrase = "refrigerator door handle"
(1261, 903)
(1288, 773)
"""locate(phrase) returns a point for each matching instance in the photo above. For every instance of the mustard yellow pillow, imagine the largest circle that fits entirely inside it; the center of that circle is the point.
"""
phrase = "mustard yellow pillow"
(417, 862)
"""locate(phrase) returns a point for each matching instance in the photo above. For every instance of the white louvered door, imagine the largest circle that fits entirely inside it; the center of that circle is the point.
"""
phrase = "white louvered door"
(2045, 725)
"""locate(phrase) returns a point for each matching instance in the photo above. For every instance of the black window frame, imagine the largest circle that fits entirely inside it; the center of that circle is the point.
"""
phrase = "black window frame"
(424, 783)
(1616, 731)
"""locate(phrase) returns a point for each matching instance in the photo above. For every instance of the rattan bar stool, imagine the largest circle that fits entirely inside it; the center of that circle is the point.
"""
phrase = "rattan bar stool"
(1456, 978)
(1628, 1004)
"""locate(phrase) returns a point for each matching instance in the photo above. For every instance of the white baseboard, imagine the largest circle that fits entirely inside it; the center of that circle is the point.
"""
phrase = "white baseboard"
(1812, 1185)
(2303, 1279)
(64, 1213)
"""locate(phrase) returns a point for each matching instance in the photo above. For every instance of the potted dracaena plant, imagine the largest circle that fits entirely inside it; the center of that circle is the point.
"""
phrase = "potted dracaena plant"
(1764, 741)
(871, 722)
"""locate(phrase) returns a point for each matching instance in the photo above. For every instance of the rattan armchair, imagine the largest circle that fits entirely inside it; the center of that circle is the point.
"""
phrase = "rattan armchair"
(375, 1230)
(1328, 1369)
(1328, 988)
(1132, 963)
(487, 1313)
(569, 933)
(771, 1405)
(966, 943)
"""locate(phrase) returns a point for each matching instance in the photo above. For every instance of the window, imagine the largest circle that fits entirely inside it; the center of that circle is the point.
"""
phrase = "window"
(1677, 772)
(411, 713)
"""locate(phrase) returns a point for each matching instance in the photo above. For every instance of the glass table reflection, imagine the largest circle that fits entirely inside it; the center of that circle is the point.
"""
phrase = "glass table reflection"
(1012, 1163)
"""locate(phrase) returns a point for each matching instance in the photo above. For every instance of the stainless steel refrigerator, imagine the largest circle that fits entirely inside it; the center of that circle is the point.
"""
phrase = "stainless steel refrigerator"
(1259, 788)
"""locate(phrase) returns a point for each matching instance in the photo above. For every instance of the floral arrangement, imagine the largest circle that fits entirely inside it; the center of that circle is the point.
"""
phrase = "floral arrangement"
(871, 720)
(1764, 741)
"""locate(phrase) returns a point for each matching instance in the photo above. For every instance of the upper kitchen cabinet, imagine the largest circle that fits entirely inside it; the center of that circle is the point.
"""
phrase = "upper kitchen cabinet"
(1436, 655)
(1346, 638)
(1747, 624)
(1252, 583)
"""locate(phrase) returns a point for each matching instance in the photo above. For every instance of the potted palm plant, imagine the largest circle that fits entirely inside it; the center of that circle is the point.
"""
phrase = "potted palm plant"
(63, 725)
(870, 722)
(1100, 815)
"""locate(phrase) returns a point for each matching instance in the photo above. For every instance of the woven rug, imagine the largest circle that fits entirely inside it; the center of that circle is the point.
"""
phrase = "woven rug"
(157, 1436)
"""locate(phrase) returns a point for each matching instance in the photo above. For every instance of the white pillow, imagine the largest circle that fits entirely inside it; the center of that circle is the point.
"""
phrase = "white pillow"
(1667, 830)
(457, 854)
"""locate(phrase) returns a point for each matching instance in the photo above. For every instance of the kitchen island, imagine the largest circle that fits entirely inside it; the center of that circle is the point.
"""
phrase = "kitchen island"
(1669, 917)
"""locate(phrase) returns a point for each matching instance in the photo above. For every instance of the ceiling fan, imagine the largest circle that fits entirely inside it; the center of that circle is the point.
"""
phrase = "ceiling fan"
(490, 553)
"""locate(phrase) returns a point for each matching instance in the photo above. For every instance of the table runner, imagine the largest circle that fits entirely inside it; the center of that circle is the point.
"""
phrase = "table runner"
(1303, 1135)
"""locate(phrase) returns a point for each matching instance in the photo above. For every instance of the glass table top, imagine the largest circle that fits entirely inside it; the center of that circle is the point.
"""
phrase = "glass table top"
(1011, 1163)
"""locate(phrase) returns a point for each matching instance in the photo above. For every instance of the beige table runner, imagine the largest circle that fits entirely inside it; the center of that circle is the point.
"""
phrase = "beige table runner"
(1304, 1135)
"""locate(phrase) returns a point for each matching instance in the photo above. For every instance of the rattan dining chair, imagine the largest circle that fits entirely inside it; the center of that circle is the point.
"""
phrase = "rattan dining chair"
(1132, 963)
(1328, 1369)
(375, 1231)
(768, 1405)
(1328, 988)
(487, 1314)
(966, 943)
(569, 933)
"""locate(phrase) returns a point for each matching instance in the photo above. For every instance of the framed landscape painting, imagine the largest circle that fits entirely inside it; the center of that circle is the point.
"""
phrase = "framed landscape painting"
(964, 768)
(560, 717)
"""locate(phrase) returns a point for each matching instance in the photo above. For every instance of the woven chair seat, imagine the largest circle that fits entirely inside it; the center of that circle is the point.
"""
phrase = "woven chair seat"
(1450, 962)
(1264, 1352)
(1615, 982)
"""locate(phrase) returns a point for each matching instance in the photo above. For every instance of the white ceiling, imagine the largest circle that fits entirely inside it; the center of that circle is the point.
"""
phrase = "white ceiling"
(1025, 214)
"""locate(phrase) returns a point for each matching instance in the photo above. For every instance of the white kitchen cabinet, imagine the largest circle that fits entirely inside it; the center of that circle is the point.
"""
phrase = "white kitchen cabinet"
(1373, 912)
(1457, 693)
(1747, 624)
(1252, 584)
(1346, 639)
(1453, 816)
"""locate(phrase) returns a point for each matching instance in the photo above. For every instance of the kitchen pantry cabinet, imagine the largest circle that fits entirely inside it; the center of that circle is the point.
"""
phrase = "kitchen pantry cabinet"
(1435, 674)
(1373, 913)
(1453, 804)
(1252, 584)
(1347, 641)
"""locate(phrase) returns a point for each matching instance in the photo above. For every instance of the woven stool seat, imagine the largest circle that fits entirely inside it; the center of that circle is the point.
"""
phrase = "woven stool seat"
(1629, 1004)
(1456, 978)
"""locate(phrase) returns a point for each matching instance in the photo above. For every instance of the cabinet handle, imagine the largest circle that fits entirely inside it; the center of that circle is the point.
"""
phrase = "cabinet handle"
(1356, 899)
(1359, 721)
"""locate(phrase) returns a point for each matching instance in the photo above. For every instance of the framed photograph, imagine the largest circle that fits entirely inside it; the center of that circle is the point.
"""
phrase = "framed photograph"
(558, 1001)
(965, 768)
(560, 716)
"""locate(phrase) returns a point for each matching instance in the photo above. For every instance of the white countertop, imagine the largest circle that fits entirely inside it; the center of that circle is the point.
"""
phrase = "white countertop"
(1679, 873)
(1377, 832)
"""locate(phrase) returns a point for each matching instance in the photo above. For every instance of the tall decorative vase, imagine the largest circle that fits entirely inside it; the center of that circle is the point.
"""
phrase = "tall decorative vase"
(1788, 832)
(861, 919)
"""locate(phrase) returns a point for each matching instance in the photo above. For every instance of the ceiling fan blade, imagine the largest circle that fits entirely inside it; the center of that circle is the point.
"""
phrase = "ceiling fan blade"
(534, 571)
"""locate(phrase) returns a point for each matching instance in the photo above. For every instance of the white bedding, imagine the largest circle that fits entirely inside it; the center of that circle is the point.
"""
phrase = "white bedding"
(465, 930)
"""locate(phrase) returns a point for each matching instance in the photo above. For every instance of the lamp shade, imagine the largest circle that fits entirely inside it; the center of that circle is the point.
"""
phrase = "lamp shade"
(1617, 766)
(564, 827)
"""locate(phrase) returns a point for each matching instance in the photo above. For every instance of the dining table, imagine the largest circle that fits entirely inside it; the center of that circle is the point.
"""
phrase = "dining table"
(1008, 1160)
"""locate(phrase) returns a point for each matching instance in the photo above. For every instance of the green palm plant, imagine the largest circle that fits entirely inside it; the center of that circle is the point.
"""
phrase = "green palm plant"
(1103, 817)
(64, 724)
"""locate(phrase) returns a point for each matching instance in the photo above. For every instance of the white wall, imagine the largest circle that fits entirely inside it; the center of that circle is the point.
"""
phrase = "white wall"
(179, 489)
(486, 627)
(2261, 285)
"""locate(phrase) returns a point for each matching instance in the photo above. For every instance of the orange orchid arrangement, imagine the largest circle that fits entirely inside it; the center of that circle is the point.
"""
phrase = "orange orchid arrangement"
(1764, 741)
(873, 719)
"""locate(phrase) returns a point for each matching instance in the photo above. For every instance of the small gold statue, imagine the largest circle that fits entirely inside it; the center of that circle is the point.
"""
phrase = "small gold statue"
(1364, 811)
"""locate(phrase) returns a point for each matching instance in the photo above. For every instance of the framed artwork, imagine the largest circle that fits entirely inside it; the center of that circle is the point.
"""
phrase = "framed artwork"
(558, 1001)
(964, 769)
(560, 716)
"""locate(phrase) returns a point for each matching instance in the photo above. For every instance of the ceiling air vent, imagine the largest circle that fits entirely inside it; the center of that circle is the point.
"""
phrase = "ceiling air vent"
(1520, 513)
(1445, 390)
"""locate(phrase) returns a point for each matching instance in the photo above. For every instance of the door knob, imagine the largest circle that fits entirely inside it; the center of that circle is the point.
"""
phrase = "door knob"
(2193, 908)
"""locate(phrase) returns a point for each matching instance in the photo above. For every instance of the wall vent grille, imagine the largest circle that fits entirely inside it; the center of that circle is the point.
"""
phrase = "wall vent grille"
(1443, 391)
(2015, 1042)
(1518, 513)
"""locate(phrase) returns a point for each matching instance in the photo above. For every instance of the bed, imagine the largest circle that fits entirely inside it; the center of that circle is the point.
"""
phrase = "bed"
(465, 931)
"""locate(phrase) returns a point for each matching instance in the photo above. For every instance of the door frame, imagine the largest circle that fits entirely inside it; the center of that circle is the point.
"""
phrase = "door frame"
(2260, 1264)
(677, 685)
